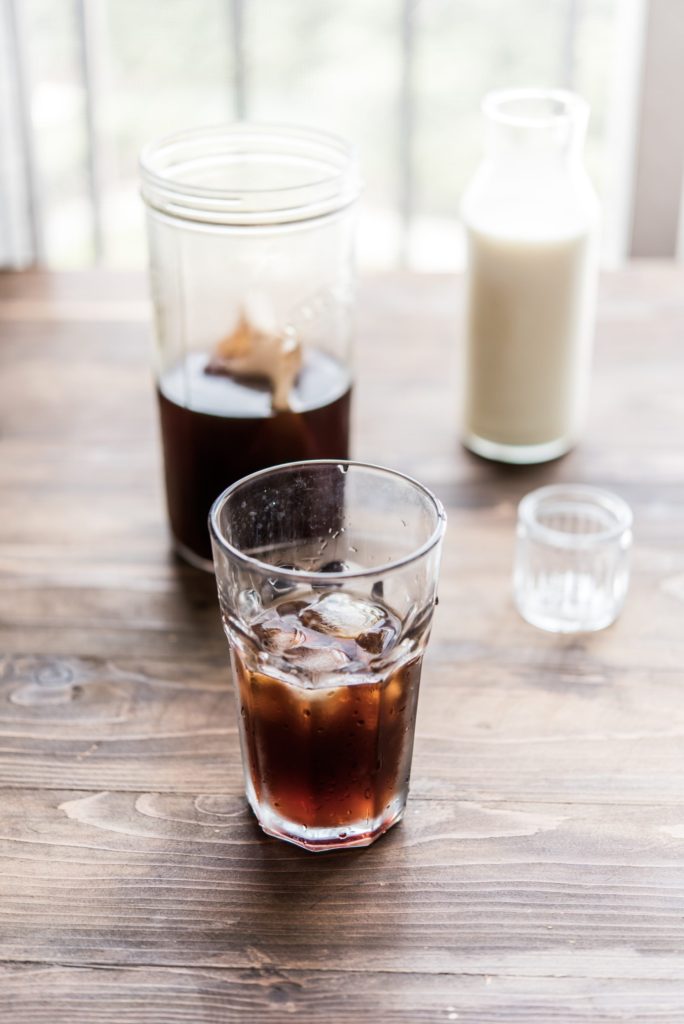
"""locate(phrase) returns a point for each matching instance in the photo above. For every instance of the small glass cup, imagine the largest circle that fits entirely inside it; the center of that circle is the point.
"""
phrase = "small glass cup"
(572, 558)
(327, 578)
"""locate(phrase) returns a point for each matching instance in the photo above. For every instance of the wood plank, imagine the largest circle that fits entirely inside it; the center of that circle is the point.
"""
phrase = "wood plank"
(62, 995)
(556, 724)
(461, 887)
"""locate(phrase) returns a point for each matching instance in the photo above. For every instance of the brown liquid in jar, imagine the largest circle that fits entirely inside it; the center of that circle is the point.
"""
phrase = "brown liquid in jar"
(216, 429)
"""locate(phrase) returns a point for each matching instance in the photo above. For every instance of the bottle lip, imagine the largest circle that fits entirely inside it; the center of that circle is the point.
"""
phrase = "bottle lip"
(515, 108)
(572, 497)
(203, 174)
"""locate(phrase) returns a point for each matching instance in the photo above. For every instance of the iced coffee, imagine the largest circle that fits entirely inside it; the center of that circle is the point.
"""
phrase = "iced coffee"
(327, 714)
(327, 575)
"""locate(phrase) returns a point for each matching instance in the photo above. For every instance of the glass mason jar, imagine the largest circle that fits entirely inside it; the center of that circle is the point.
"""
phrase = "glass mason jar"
(531, 218)
(250, 232)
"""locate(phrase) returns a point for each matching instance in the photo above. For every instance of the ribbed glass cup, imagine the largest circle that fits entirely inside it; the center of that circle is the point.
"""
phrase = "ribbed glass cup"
(572, 558)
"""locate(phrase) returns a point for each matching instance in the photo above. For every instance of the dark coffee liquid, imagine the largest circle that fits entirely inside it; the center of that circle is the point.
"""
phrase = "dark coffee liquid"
(216, 429)
(336, 754)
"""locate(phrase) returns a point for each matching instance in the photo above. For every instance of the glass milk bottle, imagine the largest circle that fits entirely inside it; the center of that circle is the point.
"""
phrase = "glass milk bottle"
(531, 217)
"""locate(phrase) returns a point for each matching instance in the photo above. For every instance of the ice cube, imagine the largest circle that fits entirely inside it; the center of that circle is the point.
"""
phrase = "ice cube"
(277, 586)
(277, 636)
(334, 566)
(339, 614)
(375, 641)
(318, 660)
(249, 604)
(291, 607)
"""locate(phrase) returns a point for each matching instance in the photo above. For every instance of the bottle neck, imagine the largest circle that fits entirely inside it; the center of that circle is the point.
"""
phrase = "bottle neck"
(532, 183)
(535, 131)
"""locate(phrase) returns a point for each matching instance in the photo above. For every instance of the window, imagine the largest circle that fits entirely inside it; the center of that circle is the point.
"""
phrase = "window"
(91, 80)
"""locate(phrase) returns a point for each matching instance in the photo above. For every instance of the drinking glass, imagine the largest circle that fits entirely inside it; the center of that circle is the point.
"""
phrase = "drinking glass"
(572, 557)
(327, 579)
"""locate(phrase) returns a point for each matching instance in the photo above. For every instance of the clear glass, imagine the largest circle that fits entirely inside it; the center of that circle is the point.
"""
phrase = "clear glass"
(531, 219)
(572, 558)
(327, 579)
(250, 233)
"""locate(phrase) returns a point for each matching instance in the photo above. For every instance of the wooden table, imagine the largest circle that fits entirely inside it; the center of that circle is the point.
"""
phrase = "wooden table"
(539, 872)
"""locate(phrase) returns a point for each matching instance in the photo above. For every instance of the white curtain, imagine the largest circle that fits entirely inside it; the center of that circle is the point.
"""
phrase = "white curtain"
(18, 246)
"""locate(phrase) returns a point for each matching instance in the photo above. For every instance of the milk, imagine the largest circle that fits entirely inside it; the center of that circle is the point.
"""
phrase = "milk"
(531, 219)
(528, 337)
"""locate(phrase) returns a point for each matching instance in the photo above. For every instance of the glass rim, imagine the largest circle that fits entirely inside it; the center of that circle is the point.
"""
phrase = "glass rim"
(304, 576)
(165, 192)
(596, 496)
(572, 106)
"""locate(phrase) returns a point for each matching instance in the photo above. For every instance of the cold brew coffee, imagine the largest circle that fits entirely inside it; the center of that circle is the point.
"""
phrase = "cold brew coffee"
(327, 716)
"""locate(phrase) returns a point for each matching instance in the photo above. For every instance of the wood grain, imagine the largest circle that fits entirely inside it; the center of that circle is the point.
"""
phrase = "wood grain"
(60, 995)
(539, 872)
(552, 724)
(459, 887)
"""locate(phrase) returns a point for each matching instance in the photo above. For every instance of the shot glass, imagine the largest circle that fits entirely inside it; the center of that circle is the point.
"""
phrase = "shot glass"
(571, 568)
(327, 577)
